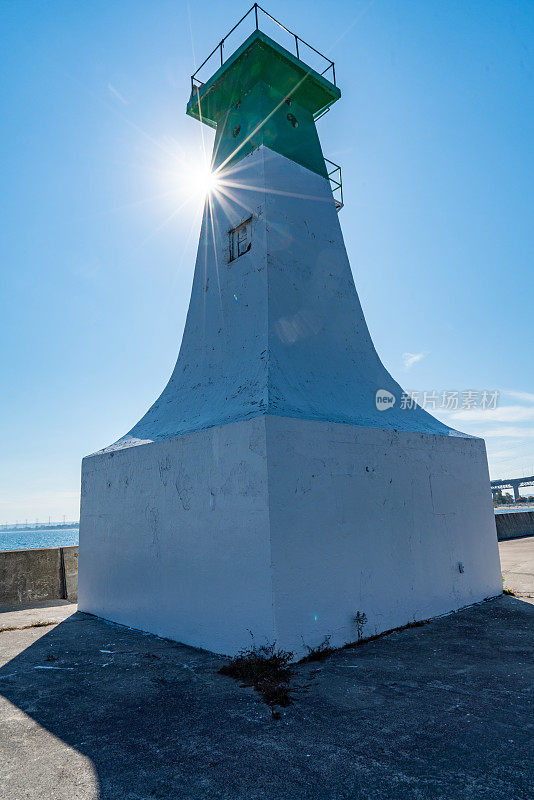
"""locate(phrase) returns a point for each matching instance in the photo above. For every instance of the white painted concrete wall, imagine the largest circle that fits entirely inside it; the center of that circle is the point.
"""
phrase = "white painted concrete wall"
(174, 537)
(285, 528)
(374, 521)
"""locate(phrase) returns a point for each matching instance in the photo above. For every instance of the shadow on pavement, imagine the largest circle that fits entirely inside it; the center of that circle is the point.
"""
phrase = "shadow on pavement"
(442, 711)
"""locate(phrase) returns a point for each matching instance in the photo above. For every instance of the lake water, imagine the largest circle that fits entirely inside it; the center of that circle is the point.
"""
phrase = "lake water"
(38, 537)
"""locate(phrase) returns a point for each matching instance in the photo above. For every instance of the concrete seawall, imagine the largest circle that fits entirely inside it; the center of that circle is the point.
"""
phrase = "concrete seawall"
(33, 575)
(514, 525)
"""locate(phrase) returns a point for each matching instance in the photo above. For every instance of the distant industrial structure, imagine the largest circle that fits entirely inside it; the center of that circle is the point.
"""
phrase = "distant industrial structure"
(511, 483)
(32, 526)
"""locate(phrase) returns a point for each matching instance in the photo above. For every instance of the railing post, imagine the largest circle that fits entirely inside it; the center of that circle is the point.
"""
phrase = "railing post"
(257, 8)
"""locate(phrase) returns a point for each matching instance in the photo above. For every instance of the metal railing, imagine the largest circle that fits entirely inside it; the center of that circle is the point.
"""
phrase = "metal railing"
(196, 83)
(334, 176)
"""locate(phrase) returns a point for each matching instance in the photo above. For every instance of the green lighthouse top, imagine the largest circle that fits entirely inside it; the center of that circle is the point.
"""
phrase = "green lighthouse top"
(260, 58)
(262, 94)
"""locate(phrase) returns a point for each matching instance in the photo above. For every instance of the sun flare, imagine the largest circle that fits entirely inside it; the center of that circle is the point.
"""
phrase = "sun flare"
(198, 179)
(208, 180)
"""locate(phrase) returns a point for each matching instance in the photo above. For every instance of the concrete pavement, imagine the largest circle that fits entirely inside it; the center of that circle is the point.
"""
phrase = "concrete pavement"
(94, 711)
(34, 615)
(517, 565)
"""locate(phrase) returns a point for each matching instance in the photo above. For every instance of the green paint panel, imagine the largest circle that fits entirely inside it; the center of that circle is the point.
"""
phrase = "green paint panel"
(263, 116)
(264, 95)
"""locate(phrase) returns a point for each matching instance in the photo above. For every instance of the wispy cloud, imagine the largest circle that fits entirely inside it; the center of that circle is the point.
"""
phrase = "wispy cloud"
(502, 455)
(500, 414)
(527, 396)
(117, 94)
(509, 432)
(412, 358)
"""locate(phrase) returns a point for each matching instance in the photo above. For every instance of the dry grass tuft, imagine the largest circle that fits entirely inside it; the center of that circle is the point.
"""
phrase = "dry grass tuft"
(267, 670)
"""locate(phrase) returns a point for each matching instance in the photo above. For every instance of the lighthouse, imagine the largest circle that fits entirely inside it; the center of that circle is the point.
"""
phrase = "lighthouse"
(278, 486)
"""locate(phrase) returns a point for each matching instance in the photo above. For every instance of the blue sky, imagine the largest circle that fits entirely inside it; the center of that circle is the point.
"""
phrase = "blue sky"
(100, 214)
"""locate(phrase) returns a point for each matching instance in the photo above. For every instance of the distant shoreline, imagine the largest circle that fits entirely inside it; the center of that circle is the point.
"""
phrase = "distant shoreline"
(36, 526)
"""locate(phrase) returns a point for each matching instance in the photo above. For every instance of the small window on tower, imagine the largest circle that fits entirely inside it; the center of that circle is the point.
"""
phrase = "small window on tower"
(240, 240)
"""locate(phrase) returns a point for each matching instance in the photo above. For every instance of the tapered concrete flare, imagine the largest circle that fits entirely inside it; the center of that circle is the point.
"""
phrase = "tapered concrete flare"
(277, 485)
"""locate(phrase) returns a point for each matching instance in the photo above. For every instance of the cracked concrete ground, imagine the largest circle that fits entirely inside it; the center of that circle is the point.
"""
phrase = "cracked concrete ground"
(92, 711)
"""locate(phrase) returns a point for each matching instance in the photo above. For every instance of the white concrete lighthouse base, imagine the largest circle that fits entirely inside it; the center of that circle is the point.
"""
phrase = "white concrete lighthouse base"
(285, 529)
